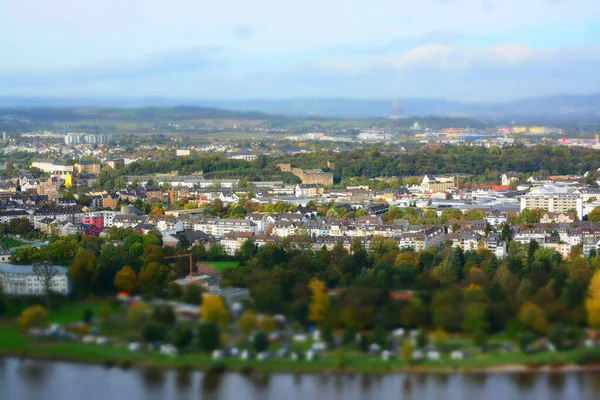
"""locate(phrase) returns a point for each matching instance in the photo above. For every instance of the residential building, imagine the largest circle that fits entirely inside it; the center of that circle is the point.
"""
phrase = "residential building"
(233, 241)
(20, 280)
(557, 217)
(53, 167)
(553, 199)
(434, 184)
(88, 166)
(309, 190)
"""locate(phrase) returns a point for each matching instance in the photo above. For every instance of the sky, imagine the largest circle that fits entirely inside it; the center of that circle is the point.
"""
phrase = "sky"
(465, 50)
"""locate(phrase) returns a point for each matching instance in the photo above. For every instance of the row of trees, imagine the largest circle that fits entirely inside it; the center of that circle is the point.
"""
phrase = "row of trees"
(531, 290)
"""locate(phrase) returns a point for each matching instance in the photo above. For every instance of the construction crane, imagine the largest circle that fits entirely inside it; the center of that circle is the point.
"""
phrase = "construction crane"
(191, 262)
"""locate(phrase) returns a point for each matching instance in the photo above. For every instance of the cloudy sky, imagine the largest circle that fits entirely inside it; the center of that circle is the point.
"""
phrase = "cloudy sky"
(459, 49)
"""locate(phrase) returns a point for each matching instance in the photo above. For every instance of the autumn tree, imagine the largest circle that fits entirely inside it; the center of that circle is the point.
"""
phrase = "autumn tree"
(126, 279)
(32, 317)
(319, 305)
(532, 316)
(83, 272)
(594, 215)
(153, 278)
(214, 309)
(592, 303)
(247, 322)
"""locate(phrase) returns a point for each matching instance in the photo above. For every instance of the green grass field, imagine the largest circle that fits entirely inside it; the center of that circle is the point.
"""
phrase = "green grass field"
(7, 242)
(221, 265)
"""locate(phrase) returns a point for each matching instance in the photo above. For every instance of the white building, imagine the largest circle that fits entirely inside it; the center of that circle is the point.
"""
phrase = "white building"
(20, 280)
(553, 199)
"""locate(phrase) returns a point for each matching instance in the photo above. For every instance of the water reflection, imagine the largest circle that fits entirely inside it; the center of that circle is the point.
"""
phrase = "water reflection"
(184, 378)
(154, 377)
(525, 380)
(477, 379)
(556, 380)
(47, 380)
(212, 381)
(35, 372)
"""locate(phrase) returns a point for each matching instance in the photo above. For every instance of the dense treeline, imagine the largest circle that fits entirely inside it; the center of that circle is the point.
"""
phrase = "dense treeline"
(530, 292)
(555, 160)
(487, 164)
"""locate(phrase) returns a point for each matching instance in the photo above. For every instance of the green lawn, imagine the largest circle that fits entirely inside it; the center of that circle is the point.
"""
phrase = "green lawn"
(73, 312)
(221, 265)
(7, 242)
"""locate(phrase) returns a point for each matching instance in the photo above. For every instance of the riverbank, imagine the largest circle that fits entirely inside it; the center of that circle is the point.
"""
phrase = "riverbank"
(111, 356)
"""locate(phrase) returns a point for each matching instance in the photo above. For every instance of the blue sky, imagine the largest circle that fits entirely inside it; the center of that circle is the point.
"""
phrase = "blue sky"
(488, 50)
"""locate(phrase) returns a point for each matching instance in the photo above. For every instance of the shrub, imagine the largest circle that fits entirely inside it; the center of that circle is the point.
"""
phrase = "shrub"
(32, 317)
(260, 342)
(154, 331)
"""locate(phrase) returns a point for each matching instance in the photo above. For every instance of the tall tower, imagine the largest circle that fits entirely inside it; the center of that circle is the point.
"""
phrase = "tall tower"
(397, 104)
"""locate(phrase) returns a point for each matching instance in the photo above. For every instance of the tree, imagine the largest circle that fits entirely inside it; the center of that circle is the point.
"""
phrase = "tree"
(327, 334)
(175, 291)
(379, 336)
(32, 317)
(182, 336)
(319, 305)
(592, 303)
(407, 351)
(153, 278)
(594, 215)
(260, 342)
(45, 273)
(349, 335)
(192, 294)
(557, 335)
(533, 317)
(208, 336)
(126, 279)
(154, 331)
(247, 322)
(164, 313)
(83, 272)
(214, 308)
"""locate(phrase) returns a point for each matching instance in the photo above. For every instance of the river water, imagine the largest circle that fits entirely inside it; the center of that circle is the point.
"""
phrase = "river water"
(39, 380)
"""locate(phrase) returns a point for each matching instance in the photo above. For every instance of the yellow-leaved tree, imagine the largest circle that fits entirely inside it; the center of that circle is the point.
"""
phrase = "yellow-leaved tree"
(592, 303)
(126, 279)
(214, 309)
(319, 305)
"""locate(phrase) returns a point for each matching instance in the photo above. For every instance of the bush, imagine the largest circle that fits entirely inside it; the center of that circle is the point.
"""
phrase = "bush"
(182, 336)
(88, 315)
(154, 331)
(192, 294)
(260, 342)
(349, 335)
(174, 290)
(208, 336)
(525, 339)
(79, 329)
(32, 317)
(164, 313)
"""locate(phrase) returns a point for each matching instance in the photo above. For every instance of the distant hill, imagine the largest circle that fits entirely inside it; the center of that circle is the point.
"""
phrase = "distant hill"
(558, 108)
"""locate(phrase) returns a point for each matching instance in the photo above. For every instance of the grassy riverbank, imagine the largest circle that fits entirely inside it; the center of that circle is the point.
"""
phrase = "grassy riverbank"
(13, 343)
(349, 359)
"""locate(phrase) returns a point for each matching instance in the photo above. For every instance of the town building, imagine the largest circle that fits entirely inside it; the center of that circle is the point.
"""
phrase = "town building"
(20, 280)
(553, 199)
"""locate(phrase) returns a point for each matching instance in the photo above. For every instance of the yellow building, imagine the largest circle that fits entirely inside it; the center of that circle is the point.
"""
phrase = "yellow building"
(68, 180)
(519, 129)
(88, 167)
(537, 130)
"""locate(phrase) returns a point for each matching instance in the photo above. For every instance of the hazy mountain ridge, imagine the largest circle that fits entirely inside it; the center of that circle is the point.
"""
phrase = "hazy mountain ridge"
(555, 107)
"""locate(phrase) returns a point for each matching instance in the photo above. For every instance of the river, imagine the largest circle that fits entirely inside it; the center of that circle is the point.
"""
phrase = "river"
(40, 380)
